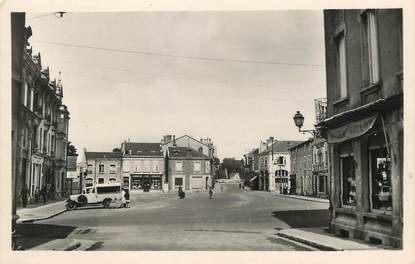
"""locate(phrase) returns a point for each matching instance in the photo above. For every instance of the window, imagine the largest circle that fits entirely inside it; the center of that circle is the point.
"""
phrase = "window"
(178, 181)
(156, 166)
(341, 65)
(370, 46)
(100, 180)
(24, 137)
(380, 174)
(348, 177)
(113, 169)
(101, 168)
(207, 167)
(179, 166)
(321, 183)
(281, 160)
(109, 189)
(196, 165)
(89, 171)
(147, 166)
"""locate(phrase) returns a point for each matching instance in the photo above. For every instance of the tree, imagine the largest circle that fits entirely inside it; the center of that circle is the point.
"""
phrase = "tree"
(117, 149)
(71, 150)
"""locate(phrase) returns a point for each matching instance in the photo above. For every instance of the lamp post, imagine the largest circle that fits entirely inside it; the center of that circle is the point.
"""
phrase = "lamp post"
(299, 121)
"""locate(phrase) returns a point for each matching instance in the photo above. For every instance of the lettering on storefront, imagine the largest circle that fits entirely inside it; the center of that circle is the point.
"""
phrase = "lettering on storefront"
(351, 130)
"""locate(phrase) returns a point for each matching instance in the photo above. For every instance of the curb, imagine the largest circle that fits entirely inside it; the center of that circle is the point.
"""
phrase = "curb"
(310, 243)
(304, 199)
(74, 245)
(40, 218)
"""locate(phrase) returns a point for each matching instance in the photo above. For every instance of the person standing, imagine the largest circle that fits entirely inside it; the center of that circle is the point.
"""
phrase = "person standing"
(43, 193)
(127, 198)
(122, 199)
(210, 192)
(24, 192)
(37, 194)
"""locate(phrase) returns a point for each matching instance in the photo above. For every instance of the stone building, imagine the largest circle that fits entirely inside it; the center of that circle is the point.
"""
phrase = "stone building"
(301, 168)
(274, 165)
(321, 181)
(102, 168)
(188, 168)
(143, 166)
(39, 119)
(364, 124)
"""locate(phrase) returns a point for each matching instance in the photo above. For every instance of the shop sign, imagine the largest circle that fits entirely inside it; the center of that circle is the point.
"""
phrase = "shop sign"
(351, 130)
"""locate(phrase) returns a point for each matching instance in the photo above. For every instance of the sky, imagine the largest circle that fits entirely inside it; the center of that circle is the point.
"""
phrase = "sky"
(237, 77)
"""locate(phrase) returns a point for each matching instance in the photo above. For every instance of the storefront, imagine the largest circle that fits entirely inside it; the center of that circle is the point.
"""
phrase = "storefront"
(367, 162)
(146, 182)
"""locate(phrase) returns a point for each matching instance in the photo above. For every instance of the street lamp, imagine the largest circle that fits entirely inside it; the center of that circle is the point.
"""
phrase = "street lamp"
(299, 121)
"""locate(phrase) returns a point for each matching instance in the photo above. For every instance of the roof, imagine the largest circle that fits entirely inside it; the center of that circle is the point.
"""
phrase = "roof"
(165, 143)
(103, 155)
(185, 153)
(301, 143)
(143, 149)
(71, 163)
(283, 146)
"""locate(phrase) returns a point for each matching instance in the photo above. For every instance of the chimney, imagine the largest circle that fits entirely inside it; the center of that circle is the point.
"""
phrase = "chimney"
(174, 140)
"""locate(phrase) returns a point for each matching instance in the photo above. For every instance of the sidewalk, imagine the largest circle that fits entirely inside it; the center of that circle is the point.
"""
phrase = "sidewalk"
(306, 198)
(319, 239)
(41, 212)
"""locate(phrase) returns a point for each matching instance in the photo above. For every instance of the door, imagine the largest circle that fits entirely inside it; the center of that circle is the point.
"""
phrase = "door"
(91, 194)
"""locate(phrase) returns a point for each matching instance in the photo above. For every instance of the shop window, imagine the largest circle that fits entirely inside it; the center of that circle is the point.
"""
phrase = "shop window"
(348, 176)
(380, 174)
(178, 181)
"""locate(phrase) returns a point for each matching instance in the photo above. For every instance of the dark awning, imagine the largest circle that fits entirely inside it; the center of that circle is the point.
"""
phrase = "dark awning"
(351, 130)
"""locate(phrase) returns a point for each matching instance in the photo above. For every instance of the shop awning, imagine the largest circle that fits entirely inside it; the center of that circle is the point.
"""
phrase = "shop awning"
(253, 179)
(351, 130)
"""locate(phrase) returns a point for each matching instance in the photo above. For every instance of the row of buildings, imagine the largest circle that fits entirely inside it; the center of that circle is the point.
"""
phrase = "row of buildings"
(39, 120)
(356, 155)
(291, 166)
(161, 166)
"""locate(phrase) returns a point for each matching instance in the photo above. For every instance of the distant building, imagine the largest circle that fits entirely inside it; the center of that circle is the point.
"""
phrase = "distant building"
(321, 181)
(252, 169)
(274, 165)
(103, 167)
(188, 168)
(72, 174)
(301, 168)
(143, 166)
(364, 125)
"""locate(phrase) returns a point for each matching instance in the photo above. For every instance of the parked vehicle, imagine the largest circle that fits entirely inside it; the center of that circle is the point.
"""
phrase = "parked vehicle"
(100, 194)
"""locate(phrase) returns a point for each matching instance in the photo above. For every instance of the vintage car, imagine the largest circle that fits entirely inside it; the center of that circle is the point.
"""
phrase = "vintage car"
(100, 194)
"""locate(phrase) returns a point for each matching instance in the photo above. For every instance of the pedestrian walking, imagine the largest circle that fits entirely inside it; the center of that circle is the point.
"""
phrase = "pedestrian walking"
(122, 199)
(181, 193)
(127, 198)
(210, 192)
(24, 192)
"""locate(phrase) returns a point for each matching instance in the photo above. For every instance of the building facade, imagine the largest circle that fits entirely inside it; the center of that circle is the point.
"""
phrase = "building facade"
(274, 165)
(39, 120)
(143, 166)
(321, 181)
(364, 124)
(301, 168)
(188, 168)
(103, 168)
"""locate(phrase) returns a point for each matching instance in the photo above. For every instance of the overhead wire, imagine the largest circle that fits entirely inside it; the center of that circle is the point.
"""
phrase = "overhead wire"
(167, 55)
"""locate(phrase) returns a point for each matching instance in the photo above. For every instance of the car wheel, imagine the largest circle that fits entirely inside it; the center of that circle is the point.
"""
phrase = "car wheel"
(82, 199)
(71, 205)
(106, 203)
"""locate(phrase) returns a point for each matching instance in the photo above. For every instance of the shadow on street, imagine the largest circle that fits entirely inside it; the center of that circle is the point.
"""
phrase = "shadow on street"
(32, 235)
(304, 218)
